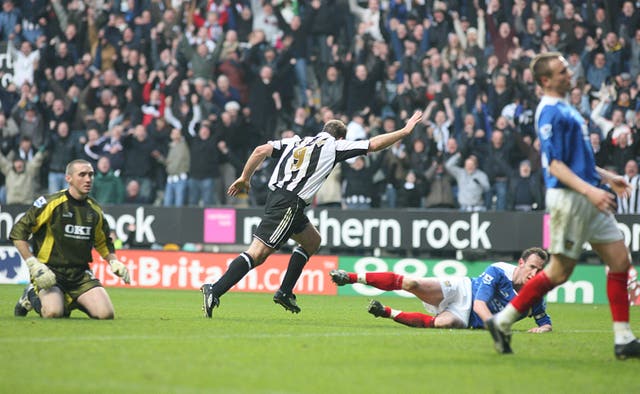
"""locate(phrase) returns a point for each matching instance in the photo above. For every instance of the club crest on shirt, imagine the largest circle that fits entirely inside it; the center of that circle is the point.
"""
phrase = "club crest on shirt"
(40, 202)
(545, 131)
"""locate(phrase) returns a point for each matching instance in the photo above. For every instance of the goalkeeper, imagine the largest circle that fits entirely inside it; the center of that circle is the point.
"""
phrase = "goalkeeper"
(62, 228)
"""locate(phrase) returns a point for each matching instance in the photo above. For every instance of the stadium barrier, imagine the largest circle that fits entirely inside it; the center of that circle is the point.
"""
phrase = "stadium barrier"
(410, 231)
(340, 229)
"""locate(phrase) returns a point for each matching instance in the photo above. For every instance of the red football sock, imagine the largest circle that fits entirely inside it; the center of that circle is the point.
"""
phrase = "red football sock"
(353, 277)
(384, 280)
(618, 296)
(415, 319)
(532, 292)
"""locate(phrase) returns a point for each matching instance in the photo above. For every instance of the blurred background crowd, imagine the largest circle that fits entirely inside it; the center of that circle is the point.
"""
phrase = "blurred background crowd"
(167, 98)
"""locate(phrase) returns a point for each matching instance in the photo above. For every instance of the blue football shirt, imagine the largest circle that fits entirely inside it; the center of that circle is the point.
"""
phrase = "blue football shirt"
(495, 287)
(564, 136)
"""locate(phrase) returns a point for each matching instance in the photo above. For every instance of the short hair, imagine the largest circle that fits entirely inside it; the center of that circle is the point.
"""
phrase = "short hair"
(336, 128)
(540, 65)
(69, 169)
(537, 251)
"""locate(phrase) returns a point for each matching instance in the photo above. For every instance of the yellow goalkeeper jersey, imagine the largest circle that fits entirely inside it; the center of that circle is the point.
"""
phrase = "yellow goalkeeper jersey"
(64, 230)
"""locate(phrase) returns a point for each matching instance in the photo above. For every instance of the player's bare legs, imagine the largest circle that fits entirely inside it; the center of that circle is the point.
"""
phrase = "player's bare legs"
(428, 290)
(97, 303)
(559, 269)
(309, 239)
(259, 252)
(616, 256)
(52, 301)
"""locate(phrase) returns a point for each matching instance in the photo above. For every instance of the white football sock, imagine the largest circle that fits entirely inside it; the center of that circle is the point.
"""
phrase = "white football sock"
(506, 317)
(622, 333)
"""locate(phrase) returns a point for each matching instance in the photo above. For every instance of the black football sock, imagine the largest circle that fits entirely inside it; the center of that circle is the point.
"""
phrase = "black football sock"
(236, 271)
(298, 259)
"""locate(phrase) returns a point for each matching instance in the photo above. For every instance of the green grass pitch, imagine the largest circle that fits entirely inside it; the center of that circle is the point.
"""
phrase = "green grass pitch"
(160, 343)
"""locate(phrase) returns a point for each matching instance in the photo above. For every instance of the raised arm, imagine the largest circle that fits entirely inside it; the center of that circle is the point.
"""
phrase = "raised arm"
(384, 141)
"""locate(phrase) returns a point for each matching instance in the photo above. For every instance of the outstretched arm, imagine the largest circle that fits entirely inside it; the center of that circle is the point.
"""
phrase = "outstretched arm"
(257, 157)
(384, 141)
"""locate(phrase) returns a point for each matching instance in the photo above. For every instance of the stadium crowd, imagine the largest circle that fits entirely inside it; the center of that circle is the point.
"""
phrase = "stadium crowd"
(167, 98)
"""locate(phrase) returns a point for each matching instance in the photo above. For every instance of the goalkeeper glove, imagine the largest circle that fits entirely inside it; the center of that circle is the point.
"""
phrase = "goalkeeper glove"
(120, 270)
(42, 276)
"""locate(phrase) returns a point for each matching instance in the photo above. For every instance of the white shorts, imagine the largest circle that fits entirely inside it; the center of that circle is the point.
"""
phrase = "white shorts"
(457, 298)
(574, 221)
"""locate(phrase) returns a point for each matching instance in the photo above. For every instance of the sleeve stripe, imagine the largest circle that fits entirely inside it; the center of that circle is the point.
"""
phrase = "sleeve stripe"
(47, 246)
(45, 215)
(101, 237)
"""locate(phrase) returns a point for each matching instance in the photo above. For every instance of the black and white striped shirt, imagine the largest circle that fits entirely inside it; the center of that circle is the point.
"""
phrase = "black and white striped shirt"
(304, 164)
(631, 204)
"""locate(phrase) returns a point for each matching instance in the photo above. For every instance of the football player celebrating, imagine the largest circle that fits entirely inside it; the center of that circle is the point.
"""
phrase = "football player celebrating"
(303, 166)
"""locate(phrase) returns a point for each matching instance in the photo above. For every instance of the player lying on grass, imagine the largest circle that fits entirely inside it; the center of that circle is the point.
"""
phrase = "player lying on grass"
(457, 302)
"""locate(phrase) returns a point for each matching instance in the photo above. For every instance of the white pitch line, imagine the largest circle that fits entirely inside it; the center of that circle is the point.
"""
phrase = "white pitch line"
(102, 338)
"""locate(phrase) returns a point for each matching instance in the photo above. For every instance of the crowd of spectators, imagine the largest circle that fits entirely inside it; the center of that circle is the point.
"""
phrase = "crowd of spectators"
(167, 98)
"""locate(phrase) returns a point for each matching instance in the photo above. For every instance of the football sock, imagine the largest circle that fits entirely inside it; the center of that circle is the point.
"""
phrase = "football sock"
(415, 319)
(298, 259)
(532, 292)
(236, 271)
(618, 295)
(619, 305)
(622, 333)
(382, 280)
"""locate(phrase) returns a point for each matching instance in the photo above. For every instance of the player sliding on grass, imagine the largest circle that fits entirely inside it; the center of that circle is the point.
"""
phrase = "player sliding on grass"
(457, 302)
(303, 166)
(581, 209)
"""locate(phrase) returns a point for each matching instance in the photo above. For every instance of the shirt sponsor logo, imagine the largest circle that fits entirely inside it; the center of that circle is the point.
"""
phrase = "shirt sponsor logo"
(79, 232)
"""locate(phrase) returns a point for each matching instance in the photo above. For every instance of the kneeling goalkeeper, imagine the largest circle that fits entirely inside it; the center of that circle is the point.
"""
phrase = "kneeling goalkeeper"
(64, 227)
